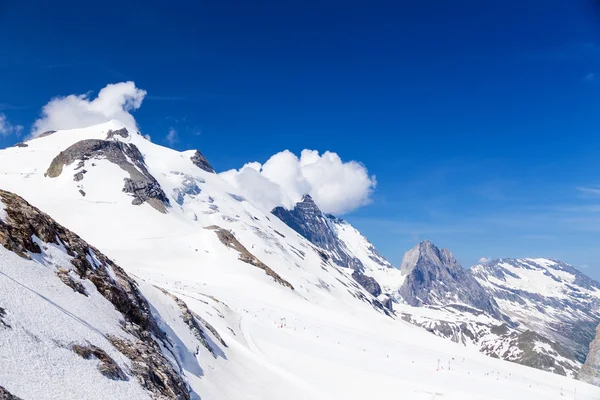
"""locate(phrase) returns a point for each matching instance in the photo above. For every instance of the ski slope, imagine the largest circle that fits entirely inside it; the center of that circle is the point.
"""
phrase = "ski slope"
(323, 339)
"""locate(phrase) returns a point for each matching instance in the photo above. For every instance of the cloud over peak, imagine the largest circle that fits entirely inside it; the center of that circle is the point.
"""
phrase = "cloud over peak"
(114, 101)
(336, 186)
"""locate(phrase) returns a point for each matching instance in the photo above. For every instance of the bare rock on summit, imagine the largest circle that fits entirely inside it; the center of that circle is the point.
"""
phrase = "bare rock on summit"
(201, 162)
(434, 277)
(140, 184)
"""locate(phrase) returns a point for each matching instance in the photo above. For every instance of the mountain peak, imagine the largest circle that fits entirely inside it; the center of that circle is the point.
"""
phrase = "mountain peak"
(427, 252)
(307, 198)
(201, 162)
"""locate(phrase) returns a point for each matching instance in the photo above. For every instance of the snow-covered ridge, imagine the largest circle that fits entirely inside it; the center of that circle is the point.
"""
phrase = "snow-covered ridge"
(63, 302)
(547, 296)
(325, 339)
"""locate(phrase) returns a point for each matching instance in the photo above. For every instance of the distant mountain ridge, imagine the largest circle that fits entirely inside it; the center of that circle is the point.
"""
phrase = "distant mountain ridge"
(547, 296)
(458, 297)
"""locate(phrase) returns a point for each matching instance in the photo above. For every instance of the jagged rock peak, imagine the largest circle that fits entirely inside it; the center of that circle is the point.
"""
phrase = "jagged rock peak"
(590, 372)
(434, 277)
(201, 162)
(307, 219)
(426, 251)
(307, 198)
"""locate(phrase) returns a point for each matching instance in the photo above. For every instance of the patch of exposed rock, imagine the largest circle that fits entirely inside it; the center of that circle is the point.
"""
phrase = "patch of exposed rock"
(140, 184)
(367, 282)
(44, 134)
(119, 132)
(227, 238)
(201, 162)
(5, 395)
(154, 372)
(20, 232)
(590, 372)
(106, 365)
(3, 323)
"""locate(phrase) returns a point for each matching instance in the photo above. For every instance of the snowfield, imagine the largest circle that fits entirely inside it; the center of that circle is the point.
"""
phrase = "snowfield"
(322, 339)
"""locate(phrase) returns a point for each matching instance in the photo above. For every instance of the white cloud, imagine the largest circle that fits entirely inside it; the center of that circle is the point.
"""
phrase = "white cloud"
(172, 137)
(483, 260)
(115, 101)
(6, 128)
(337, 187)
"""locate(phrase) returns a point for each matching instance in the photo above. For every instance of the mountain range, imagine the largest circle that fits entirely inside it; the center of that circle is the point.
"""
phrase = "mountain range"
(133, 269)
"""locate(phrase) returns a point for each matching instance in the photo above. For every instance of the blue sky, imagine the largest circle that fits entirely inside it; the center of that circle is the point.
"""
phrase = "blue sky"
(479, 119)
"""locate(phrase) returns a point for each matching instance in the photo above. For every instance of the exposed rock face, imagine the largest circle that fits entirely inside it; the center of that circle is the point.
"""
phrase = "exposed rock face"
(140, 184)
(367, 282)
(119, 132)
(434, 277)
(5, 395)
(201, 162)
(229, 240)
(44, 134)
(590, 372)
(106, 365)
(20, 232)
(563, 304)
(308, 220)
(3, 324)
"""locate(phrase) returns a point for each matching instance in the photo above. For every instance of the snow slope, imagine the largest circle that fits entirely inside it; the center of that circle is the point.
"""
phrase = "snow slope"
(323, 339)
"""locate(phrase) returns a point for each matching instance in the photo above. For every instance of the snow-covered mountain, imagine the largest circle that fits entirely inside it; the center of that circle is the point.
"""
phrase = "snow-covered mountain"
(74, 325)
(240, 305)
(457, 306)
(546, 296)
(345, 245)
(434, 277)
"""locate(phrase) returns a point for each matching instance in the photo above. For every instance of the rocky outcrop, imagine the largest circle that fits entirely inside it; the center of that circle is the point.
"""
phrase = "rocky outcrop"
(152, 369)
(106, 365)
(434, 277)
(3, 324)
(201, 162)
(308, 220)
(5, 395)
(140, 184)
(119, 132)
(227, 238)
(367, 282)
(25, 228)
(590, 372)
(44, 134)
